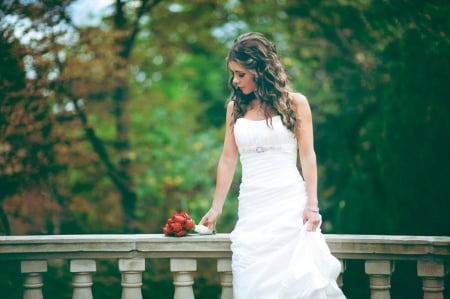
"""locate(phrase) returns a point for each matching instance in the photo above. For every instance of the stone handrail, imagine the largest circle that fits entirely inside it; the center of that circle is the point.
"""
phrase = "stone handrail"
(378, 251)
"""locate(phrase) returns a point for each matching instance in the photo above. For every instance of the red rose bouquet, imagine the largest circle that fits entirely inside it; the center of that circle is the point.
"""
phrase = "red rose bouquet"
(178, 225)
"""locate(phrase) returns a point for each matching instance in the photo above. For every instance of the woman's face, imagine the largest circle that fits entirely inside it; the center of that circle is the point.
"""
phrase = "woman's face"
(242, 78)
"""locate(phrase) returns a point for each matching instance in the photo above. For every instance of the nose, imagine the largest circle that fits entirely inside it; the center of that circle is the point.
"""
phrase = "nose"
(235, 81)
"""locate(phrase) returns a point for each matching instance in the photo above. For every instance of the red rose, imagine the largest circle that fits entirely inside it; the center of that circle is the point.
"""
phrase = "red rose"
(166, 229)
(178, 225)
(181, 233)
(189, 224)
(179, 218)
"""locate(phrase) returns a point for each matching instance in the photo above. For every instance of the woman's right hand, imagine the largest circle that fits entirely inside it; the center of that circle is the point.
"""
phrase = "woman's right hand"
(210, 218)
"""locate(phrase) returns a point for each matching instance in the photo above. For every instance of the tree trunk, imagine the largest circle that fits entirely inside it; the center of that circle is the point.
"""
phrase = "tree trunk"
(120, 104)
(5, 222)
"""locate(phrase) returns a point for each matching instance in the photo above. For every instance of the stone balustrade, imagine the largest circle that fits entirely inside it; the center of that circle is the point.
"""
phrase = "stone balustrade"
(379, 253)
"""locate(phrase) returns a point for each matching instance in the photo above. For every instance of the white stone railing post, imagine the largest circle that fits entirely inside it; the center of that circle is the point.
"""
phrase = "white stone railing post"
(131, 270)
(82, 279)
(432, 273)
(340, 279)
(226, 278)
(183, 277)
(380, 278)
(33, 280)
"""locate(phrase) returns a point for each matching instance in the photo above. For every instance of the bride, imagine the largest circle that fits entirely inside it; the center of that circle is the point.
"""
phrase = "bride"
(278, 250)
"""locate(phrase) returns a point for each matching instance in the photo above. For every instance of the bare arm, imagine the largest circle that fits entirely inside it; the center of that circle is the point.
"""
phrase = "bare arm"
(305, 139)
(225, 172)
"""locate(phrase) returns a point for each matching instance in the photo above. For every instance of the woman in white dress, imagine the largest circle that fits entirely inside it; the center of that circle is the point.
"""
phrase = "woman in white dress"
(278, 249)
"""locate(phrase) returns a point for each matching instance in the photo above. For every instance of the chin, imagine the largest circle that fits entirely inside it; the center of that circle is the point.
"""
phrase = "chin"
(246, 92)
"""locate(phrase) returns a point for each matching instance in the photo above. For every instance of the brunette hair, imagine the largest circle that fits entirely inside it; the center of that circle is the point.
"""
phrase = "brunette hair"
(257, 54)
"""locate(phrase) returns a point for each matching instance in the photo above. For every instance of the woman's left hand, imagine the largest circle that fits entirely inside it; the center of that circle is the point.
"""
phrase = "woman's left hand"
(313, 218)
(210, 219)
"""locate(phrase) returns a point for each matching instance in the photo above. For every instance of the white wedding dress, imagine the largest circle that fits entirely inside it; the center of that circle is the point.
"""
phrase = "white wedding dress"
(274, 257)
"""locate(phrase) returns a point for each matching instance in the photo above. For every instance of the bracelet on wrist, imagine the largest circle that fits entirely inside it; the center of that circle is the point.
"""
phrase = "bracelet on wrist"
(312, 210)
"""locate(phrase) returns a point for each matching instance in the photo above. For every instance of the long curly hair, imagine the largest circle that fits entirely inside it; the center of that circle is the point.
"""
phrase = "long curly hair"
(259, 56)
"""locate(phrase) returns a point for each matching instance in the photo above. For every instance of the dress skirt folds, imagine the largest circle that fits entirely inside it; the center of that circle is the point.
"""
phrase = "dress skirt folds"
(274, 257)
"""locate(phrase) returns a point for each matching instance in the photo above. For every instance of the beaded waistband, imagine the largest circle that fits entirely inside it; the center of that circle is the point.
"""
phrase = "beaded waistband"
(262, 149)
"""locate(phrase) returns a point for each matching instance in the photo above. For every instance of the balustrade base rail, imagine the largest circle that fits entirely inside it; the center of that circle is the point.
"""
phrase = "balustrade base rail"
(379, 254)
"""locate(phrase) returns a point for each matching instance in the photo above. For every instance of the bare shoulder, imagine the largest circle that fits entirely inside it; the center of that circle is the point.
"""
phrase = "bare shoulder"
(230, 105)
(230, 108)
(300, 103)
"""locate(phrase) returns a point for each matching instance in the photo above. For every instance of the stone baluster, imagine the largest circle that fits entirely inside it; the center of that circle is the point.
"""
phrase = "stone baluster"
(183, 277)
(226, 278)
(380, 278)
(82, 279)
(432, 273)
(33, 280)
(340, 279)
(131, 270)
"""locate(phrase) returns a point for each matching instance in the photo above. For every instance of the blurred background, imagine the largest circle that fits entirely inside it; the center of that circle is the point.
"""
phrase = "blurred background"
(112, 116)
